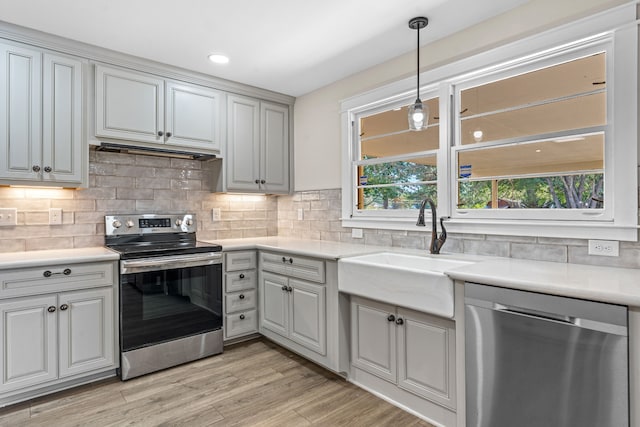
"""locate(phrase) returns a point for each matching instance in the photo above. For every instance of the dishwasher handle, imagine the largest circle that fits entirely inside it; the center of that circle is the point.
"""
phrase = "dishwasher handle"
(594, 325)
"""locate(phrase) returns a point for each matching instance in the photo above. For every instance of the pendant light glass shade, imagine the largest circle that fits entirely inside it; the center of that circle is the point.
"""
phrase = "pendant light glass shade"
(418, 112)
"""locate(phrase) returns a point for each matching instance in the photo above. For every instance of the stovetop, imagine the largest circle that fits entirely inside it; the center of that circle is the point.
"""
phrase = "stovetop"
(156, 249)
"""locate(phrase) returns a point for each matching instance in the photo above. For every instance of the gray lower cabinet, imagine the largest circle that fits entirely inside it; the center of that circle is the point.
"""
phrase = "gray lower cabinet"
(240, 294)
(56, 338)
(413, 350)
(41, 117)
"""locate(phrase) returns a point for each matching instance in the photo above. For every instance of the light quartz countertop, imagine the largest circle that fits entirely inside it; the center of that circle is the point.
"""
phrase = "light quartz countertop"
(56, 256)
(606, 284)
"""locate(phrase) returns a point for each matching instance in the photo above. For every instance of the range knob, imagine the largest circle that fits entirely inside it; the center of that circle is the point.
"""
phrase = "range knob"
(189, 222)
(129, 224)
(178, 222)
(117, 224)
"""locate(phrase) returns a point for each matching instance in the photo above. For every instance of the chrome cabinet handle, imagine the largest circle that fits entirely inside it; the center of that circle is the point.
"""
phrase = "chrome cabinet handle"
(399, 321)
(391, 318)
(51, 309)
(242, 275)
(63, 307)
(242, 317)
(49, 273)
(47, 169)
(35, 168)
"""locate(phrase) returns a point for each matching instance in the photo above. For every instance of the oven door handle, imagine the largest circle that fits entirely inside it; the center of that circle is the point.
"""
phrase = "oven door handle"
(169, 263)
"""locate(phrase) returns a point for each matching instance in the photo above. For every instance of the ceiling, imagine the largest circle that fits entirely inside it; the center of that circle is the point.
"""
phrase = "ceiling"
(288, 46)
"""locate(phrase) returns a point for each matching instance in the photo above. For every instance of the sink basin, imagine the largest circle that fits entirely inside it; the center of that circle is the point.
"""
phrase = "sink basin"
(405, 280)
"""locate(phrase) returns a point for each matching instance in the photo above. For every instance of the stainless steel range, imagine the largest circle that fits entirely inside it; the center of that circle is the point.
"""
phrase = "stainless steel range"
(170, 291)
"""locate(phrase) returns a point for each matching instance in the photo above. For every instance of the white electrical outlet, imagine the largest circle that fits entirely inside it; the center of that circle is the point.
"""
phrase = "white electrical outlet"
(8, 217)
(604, 247)
(55, 216)
(300, 214)
(216, 214)
(356, 233)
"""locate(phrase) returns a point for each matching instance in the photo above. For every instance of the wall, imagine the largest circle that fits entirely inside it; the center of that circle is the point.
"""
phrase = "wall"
(322, 210)
(317, 138)
(123, 183)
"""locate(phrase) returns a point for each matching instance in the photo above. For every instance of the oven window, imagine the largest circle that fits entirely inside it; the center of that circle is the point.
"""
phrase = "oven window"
(160, 306)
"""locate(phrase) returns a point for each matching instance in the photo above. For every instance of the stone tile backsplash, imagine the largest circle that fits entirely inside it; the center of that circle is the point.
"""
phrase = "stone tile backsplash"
(124, 183)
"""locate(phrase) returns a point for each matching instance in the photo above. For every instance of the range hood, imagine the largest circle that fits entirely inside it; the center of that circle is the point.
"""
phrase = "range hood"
(160, 152)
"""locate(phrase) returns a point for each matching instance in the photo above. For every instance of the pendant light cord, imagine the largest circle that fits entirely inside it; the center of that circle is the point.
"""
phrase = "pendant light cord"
(418, 64)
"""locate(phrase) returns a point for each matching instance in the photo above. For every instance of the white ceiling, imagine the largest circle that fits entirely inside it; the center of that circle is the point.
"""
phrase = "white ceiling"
(288, 46)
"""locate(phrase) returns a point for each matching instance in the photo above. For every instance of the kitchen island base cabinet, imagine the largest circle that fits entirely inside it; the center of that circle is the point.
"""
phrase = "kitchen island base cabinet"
(412, 352)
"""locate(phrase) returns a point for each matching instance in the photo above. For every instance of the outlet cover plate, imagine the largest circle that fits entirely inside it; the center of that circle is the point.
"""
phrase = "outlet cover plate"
(8, 217)
(604, 247)
(55, 216)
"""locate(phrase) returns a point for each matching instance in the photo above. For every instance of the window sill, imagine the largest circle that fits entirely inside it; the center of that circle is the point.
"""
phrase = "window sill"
(554, 229)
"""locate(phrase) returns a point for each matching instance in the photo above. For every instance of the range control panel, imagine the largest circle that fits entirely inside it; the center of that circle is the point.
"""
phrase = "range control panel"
(118, 225)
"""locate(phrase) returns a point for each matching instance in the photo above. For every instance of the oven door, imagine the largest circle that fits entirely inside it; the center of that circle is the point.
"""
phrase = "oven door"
(166, 298)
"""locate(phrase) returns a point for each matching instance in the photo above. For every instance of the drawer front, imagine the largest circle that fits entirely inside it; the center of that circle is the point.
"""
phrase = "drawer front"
(245, 300)
(242, 260)
(56, 278)
(240, 280)
(242, 323)
(300, 267)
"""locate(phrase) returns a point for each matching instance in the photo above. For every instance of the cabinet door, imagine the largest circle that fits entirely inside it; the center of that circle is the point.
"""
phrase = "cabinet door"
(129, 105)
(426, 356)
(62, 145)
(243, 144)
(192, 116)
(28, 350)
(308, 320)
(373, 338)
(274, 148)
(86, 331)
(274, 304)
(20, 113)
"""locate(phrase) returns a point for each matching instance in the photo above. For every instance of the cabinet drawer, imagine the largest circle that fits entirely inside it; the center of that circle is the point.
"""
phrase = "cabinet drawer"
(55, 278)
(240, 280)
(294, 266)
(244, 300)
(242, 323)
(244, 260)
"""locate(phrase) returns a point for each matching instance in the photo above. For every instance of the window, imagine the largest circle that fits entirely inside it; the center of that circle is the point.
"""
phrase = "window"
(535, 138)
(396, 168)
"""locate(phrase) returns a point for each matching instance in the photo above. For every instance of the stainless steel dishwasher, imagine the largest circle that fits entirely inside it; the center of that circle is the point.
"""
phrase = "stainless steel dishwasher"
(541, 360)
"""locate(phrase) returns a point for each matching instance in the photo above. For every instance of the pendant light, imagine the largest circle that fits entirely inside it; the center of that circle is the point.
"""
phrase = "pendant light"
(418, 112)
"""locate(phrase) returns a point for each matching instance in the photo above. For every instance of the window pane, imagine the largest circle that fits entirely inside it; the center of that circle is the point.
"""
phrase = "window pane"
(566, 96)
(555, 192)
(395, 197)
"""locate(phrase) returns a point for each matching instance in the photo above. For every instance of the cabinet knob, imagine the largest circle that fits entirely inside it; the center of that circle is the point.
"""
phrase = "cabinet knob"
(284, 288)
(51, 309)
(289, 289)
(67, 271)
(262, 181)
(241, 296)
(160, 133)
(399, 321)
(290, 260)
(63, 307)
(168, 134)
(391, 318)
(242, 317)
(47, 169)
(257, 181)
(35, 168)
(242, 275)
(284, 259)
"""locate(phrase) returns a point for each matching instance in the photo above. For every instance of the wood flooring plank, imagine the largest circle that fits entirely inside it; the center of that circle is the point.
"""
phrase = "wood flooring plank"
(255, 383)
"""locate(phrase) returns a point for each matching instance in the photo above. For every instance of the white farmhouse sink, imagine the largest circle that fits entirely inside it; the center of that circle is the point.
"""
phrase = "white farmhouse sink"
(405, 280)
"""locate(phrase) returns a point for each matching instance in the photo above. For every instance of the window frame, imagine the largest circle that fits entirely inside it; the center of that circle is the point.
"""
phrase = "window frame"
(614, 30)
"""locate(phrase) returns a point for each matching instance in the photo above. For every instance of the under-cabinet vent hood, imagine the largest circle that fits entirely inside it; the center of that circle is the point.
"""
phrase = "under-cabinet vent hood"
(119, 148)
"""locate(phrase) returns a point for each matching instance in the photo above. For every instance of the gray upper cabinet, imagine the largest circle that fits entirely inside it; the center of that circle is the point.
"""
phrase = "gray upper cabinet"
(257, 146)
(139, 107)
(41, 117)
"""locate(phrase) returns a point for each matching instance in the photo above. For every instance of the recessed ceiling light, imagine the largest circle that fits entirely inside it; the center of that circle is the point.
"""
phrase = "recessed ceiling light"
(218, 58)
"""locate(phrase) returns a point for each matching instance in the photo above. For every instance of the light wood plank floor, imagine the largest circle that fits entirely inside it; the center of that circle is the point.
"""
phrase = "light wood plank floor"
(251, 384)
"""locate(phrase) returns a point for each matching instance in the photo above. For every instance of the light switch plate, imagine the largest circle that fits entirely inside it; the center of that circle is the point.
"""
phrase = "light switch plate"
(8, 217)
(55, 216)
(216, 214)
